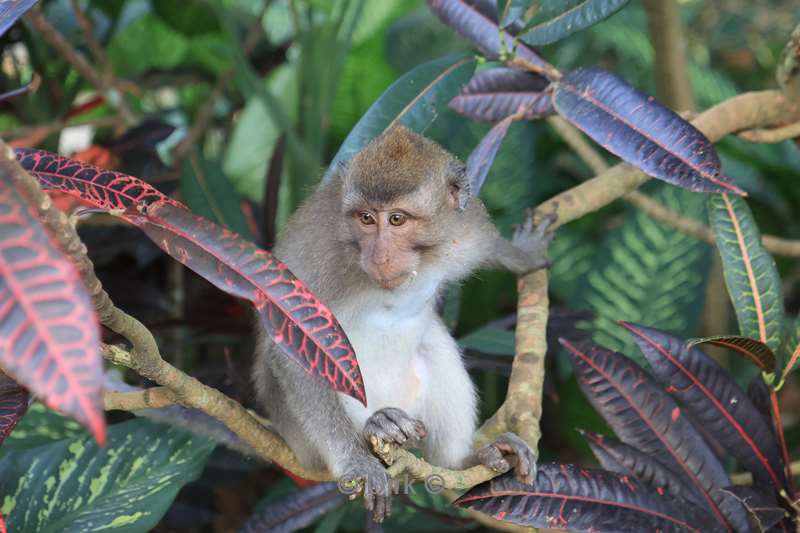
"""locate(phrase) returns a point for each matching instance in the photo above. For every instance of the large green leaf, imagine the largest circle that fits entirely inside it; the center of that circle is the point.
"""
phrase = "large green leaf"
(750, 273)
(556, 20)
(208, 192)
(73, 485)
(148, 42)
(490, 340)
(39, 426)
(648, 273)
(413, 100)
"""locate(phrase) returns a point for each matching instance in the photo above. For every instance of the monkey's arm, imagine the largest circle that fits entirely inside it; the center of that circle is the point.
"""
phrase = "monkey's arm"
(527, 250)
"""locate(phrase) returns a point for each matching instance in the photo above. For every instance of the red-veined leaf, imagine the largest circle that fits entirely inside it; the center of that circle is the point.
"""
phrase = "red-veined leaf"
(616, 456)
(103, 189)
(556, 20)
(303, 327)
(297, 510)
(49, 339)
(481, 29)
(496, 93)
(14, 401)
(750, 272)
(587, 500)
(645, 417)
(482, 157)
(763, 509)
(754, 351)
(640, 130)
(715, 400)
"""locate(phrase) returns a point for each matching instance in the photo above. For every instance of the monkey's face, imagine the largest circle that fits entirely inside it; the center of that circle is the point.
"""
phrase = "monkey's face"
(390, 254)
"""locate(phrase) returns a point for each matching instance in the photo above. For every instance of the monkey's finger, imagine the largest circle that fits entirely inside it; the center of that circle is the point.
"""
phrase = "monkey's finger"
(491, 457)
(369, 499)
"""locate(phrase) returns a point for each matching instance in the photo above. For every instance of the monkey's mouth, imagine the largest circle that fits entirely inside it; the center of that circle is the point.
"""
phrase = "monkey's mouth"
(394, 282)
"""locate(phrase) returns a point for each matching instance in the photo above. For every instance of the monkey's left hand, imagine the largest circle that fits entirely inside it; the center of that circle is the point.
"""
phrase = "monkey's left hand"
(508, 443)
(533, 240)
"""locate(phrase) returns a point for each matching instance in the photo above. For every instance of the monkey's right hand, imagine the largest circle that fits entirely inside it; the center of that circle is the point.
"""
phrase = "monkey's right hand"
(393, 425)
(366, 474)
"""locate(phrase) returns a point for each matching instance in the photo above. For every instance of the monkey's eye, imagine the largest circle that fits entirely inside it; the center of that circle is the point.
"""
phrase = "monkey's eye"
(397, 219)
(366, 218)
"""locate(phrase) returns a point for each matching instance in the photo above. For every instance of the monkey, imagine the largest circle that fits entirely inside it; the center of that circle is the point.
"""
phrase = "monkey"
(376, 244)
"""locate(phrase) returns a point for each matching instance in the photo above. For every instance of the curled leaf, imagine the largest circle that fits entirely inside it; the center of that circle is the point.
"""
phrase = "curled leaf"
(754, 351)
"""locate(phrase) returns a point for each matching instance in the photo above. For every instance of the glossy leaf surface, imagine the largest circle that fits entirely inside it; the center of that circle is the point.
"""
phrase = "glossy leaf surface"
(296, 510)
(493, 94)
(557, 20)
(14, 401)
(754, 351)
(715, 401)
(297, 321)
(645, 417)
(49, 339)
(481, 29)
(72, 485)
(640, 130)
(413, 100)
(103, 189)
(616, 456)
(575, 499)
(482, 157)
(750, 272)
(11, 11)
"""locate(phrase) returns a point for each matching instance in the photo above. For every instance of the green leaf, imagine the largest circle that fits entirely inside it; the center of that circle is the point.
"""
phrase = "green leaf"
(489, 340)
(73, 485)
(648, 273)
(556, 20)
(148, 42)
(510, 10)
(413, 100)
(208, 192)
(750, 273)
(39, 426)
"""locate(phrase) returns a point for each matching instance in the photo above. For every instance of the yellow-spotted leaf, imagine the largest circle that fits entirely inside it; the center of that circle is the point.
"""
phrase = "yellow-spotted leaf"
(72, 485)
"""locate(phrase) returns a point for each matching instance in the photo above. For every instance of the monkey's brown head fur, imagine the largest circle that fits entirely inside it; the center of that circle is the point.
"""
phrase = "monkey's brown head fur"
(395, 194)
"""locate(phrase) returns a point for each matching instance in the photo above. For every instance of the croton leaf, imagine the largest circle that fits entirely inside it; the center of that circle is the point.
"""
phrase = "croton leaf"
(96, 187)
(14, 401)
(496, 93)
(576, 499)
(715, 401)
(482, 157)
(640, 130)
(763, 509)
(754, 351)
(645, 417)
(413, 100)
(73, 485)
(616, 456)
(296, 510)
(750, 273)
(11, 11)
(297, 321)
(556, 20)
(481, 29)
(49, 338)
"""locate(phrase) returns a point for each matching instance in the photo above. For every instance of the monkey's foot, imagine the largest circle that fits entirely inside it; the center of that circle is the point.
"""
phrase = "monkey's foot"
(534, 239)
(394, 425)
(368, 476)
(491, 456)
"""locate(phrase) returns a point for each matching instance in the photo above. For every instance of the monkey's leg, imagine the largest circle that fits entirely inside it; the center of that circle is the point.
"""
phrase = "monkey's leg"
(391, 424)
(492, 456)
(527, 250)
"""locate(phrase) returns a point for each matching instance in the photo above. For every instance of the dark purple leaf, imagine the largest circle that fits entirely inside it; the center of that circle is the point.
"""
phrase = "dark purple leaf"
(618, 457)
(640, 130)
(763, 509)
(645, 417)
(303, 327)
(49, 338)
(10, 11)
(14, 401)
(715, 400)
(296, 510)
(481, 29)
(482, 157)
(754, 351)
(494, 94)
(560, 19)
(575, 499)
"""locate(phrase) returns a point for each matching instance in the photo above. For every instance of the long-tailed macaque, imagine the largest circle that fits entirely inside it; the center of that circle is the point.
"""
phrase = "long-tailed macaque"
(376, 244)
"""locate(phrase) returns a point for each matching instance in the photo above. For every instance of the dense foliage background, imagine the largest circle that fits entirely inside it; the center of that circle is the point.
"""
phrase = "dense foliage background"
(276, 86)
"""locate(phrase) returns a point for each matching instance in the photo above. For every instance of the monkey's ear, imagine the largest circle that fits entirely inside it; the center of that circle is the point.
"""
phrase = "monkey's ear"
(459, 186)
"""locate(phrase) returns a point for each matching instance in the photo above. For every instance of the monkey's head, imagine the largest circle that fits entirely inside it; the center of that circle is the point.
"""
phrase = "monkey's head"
(398, 194)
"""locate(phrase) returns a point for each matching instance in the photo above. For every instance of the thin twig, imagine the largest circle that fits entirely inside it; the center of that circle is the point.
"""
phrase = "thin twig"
(771, 136)
(95, 47)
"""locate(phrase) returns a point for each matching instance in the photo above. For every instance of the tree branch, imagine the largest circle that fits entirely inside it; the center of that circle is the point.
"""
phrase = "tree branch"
(669, 44)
